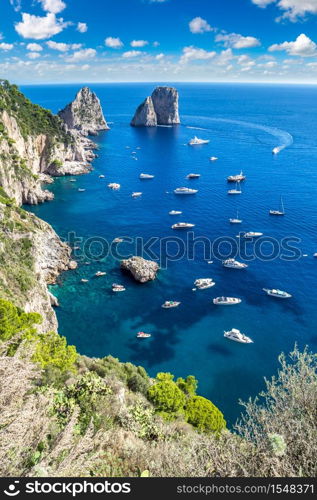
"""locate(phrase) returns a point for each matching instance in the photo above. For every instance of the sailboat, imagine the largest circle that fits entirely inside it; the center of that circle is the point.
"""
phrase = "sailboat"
(236, 220)
(237, 189)
(279, 212)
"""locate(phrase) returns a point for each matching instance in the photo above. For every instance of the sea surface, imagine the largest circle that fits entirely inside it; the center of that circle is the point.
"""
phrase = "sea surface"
(243, 123)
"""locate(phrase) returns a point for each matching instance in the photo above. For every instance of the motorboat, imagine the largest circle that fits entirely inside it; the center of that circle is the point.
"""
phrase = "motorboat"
(276, 151)
(118, 288)
(237, 189)
(170, 304)
(114, 185)
(281, 210)
(197, 142)
(279, 294)
(136, 194)
(118, 240)
(237, 336)
(100, 273)
(143, 335)
(146, 176)
(237, 178)
(72, 180)
(213, 158)
(193, 176)
(185, 190)
(226, 301)
(234, 264)
(81, 190)
(83, 280)
(182, 225)
(204, 283)
(236, 220)
(101, 176)
(175, 212)
(250, 235)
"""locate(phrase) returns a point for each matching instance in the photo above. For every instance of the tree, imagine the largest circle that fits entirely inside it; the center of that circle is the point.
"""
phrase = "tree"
(203, 414)
(52, 350)
(188, 385)
(166, 396)
(14, 321)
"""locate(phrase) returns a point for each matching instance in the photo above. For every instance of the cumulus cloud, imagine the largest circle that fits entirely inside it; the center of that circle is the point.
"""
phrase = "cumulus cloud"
(54, 6)
(33, 55)
(82, 55)
(39, 27)
(199, 25)
(6, 46)
(194, 54)
(82, 27)
(262, 3)
(113, 43)
(139, 43)
(292, 9)
(62, 47)
(303, 46)
(236, 41)
(159, 57)
(34, 47)
(132, 53)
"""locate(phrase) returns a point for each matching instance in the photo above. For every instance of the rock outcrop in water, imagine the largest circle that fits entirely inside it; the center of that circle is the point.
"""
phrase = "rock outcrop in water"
(141, 269)
(159, 109)
(84, 113)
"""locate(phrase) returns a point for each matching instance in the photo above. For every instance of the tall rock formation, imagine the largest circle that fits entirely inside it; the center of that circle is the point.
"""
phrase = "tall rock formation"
(159, 109)
(84, 113)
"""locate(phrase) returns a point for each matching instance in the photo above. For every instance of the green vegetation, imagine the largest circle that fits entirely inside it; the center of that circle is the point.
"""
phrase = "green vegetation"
(203, 414)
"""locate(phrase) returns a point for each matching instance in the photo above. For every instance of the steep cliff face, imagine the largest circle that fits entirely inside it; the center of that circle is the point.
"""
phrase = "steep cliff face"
(159, 109)
(84, 113)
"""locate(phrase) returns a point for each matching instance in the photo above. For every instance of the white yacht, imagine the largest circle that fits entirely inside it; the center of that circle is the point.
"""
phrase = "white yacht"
(250, 235)
(118, 288)
(114, 186)
(81, 190)
(237, 336)
(182, 225)
(204, 283)
(193, 176)
(213, 158)
(279, 294)
(175, 212)
(237, 178)
(142, 335)
(146, 176)
(236, 220)
(117, 240)
(226, 301)
(83, 280)
(276, 151)
(101, 176)
(234, 264)
(100, 273)
(185, 190)
(281, 210)
(237, 189)
(170, 304)
(196, 141)
(136, 194)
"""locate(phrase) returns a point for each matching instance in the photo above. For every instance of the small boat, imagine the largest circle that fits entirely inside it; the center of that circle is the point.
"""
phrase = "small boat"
(250, 235)
(276, 151)
(138, 147)
(213, 158)
(175, 212)
(237, 189)
(182, 225)
(118, 288)
(100, 273)
(197, 142)
(234, 264)
(72, 180)
(315, 255)
(83, 280)
(185, 190)
(101, 176)
(146, 176)
(142, 335)
(193, 176)
(236, 220)
(237, 178)
(117, 240)
(114, 185)
(136, 194)
(204, 283)
(133, 153)
(279, 294)
(237, 336)
(226, 301)
(81, 190)
(170, 304)
(281, 211)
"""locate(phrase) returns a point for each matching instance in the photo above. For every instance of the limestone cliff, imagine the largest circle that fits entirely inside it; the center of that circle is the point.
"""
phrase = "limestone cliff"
(84, 113)
(159, 109)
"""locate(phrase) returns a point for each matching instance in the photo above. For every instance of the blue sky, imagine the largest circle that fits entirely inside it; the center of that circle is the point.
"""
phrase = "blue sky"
(158, 40)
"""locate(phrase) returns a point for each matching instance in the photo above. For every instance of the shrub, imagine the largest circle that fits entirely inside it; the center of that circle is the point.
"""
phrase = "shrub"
(203, 414)
(166, 396)
(52, 350)
(14, 321)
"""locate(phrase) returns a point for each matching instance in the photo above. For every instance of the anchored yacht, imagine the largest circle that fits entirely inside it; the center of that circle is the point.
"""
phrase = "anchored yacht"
(182, 225)
(142, 335)
(237, 336)
(237, 189)
(234, 264)
(118, 288)
(250, 235)
(281, 210)
(136, 194)
(279, 294)
(170, 304)
(226, 301)
(114, 185)
(146, 176)
(185, 190)
(236, 219)
(197, 142)
(193, 176)
(204, 283)
(213, 158)
(237, 178)
(175, 212)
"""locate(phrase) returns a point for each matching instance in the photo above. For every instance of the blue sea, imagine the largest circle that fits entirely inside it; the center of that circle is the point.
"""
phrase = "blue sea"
(243, 123)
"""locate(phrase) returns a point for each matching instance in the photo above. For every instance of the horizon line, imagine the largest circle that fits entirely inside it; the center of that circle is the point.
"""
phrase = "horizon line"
(228, 82)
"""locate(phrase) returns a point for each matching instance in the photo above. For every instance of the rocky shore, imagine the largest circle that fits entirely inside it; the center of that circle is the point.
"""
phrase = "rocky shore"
(161, 108)
(141, 269)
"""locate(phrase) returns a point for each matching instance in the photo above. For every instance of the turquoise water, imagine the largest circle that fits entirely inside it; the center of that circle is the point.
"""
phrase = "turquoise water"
(243, 123)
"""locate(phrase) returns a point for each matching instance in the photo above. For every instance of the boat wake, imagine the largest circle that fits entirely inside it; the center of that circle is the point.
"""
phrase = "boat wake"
(197, 128)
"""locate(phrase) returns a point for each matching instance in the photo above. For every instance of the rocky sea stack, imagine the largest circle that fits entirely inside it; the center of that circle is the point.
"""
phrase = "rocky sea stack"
(84, 113)
(141, 269)
(159, 109)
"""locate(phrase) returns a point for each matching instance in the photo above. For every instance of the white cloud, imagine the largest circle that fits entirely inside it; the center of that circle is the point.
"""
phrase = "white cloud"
(33, 55)
(139, 43)
(82, 55)
(292, 9)
(34, 47)
(156, 44)
(82, 27)
(237, 41)
(193, 54)
(84, 67)
(62, 47)
(224, 57)
(113, 43)
(199, 25)
(39, 27)
(159, 57)
(132, 53)
(6, 46)
(16, 4)
(54, 6)
(303, 46)
(262, 3)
